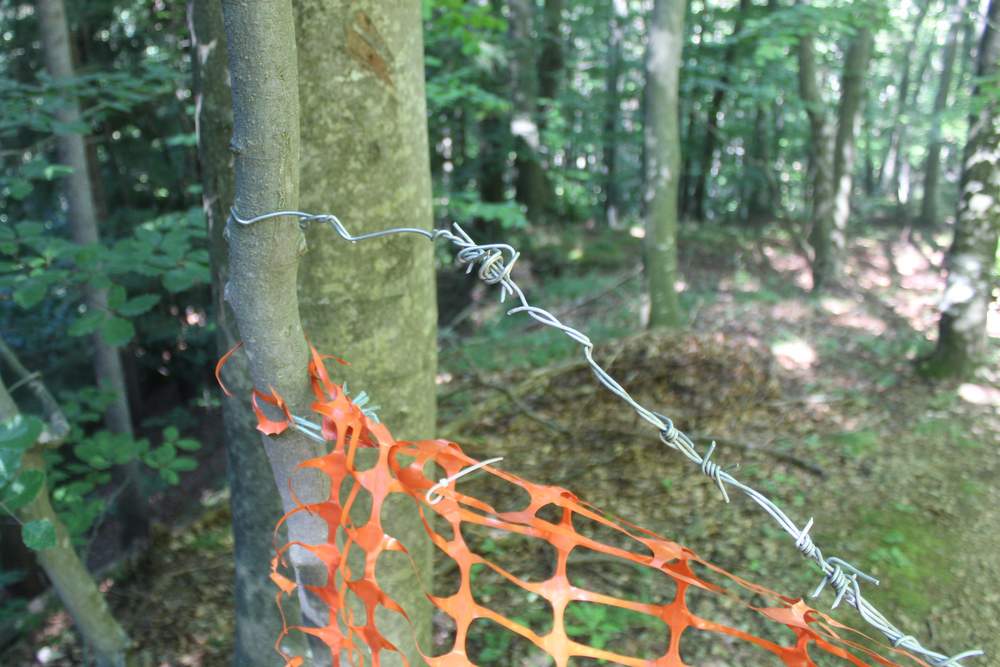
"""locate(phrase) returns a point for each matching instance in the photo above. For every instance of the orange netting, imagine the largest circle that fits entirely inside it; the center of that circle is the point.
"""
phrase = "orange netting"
(399, 470)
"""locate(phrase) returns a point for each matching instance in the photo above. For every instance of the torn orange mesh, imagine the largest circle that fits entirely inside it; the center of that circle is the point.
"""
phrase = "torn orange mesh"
(354, 638)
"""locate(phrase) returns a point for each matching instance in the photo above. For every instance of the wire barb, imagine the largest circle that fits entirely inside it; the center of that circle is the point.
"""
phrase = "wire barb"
(495, 262)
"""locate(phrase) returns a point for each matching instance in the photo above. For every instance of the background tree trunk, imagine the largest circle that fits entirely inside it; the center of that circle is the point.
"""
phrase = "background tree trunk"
(663, 160)
(365, 158)
(932, 165)
(845, 147)
(821, 181)
(888, 175)
(962, 331)
(531, 184)
(612, 118)
(131, 507)
(255, 506)
(714, 118)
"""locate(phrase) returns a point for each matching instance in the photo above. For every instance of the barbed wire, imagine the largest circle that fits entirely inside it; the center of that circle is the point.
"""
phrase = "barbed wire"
(495, 261)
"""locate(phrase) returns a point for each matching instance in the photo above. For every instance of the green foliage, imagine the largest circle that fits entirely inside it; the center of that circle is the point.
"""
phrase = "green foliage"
(16, 436)
(38, 535)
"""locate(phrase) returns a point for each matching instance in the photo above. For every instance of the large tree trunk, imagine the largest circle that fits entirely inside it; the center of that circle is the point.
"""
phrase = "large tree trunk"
(253, 501)
(663, 160)
(932, 165)
(962, 334)
(365, 158)
(612, 115)
(264, 257)
(714, 118)
(72, 582)
(83, 225)
(550, 60)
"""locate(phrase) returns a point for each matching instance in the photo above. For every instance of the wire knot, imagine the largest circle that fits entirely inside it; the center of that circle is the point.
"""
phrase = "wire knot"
(433, 497)
(842, 582)
(714, 471)
(669, 432)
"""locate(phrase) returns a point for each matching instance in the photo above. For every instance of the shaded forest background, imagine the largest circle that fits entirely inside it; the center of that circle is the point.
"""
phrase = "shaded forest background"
(822, 154)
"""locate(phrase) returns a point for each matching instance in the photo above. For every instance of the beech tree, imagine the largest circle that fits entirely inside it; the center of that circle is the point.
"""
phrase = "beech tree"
(662, 160)
(253, 502)
(962, 331)
(365, 158)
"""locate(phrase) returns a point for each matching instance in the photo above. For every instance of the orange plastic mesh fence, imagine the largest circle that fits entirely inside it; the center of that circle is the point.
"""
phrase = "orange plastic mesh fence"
(399, 470)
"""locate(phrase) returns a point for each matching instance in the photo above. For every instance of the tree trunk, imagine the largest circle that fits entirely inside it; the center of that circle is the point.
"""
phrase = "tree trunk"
(550, 60)
(69, 576)
(255, 506)
(932, 165)
(612, 115)
(962, 341)
(263, 257)
(365, 158)
(54, 30)
(900, 183)
(821, 179)
(888, 175)
(663, 160)
(531, 184)
(845, 148)
(714, 118)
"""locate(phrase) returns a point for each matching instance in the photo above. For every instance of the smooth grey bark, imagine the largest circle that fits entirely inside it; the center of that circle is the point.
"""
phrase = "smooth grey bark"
(962, 341)
(82, 216)
(264, 257)
(663, 160)
(932, 165)
(365, 158)
(254, 503)
(74, 585)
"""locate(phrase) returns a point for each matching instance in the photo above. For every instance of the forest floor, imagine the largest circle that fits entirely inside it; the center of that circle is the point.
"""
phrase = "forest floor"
(816, 400)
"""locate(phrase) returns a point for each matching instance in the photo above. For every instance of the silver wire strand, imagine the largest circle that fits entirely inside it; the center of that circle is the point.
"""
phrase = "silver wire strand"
(495, 262)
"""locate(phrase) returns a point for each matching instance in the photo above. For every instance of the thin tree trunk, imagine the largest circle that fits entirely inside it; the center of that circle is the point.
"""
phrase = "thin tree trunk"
(714, 118)
(612, 116)
(264, 257)
(83, 226)
(253, 501)
(821, 181)
(365, 158)
(663, 160)
(72, 582)
(845, 148)
(888, 175)
(932, 165)
(550, 60)
(900, 183)
(962, 341)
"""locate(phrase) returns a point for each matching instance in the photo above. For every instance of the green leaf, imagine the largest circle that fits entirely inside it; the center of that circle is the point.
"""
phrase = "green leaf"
(117, 331)
(29, 293)
(19, 188)
(23, 490)
(170, 434)
(20, 432)
(138, 305)
(38, 535)
(188, 445)
(86, 323)
(183, 464)
(169, 476)
(178, 280)
(116, 297)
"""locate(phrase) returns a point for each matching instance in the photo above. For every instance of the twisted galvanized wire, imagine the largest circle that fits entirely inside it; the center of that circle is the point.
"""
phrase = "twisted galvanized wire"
(495, 262)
